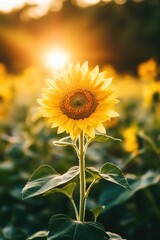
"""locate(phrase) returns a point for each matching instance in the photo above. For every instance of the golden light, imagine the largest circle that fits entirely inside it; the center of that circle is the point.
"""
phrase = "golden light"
(86, 3)
(8, 5)
(56, 59)
(120, 2)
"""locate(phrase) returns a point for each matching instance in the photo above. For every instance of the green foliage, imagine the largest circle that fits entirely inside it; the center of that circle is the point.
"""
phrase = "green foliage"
(109, 172)
(46, 178)
(96, 211)
(26, 144)
(103, 138)
(115, 196)
(10, 233)
(67, 190)
(63, 227)
(66, 141)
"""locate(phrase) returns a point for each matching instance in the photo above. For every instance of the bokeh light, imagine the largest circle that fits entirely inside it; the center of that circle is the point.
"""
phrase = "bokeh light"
(86, 3)
(9, 5)
(56, 59)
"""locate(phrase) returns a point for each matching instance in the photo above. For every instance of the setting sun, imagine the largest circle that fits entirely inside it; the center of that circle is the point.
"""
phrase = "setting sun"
(56, 59)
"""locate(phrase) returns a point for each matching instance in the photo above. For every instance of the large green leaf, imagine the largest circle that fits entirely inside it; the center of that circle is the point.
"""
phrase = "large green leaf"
(111, 173)
(46, 178)
(67, 190)
(115, 196)
(63, 227)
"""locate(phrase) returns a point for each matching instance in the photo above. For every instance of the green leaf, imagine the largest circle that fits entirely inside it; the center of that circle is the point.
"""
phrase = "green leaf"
(46, 178)
(39, 235)
(63, 227)
(111, 173)
(96, 211)
(102, 138)
(114, 236)
(66, 141)
(94, 172)
(67, 190)
(114, 196)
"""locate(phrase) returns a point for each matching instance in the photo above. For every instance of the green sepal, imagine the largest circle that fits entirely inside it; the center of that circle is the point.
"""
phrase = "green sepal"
(102, 138)
(111, 173)
(67, 190)
(39, 235)
(66, 141)
(46, 178)
(63, 227)
(97, 211)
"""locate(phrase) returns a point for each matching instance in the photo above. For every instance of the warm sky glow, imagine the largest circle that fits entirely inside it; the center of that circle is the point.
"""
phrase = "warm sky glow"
(8, 5)
(86, 3)
(56, 5)
(56, 59)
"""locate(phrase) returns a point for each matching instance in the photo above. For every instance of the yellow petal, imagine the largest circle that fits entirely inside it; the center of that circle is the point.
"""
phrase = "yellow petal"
(101, 128)
(90, 132)
(112, 113)
(61, 129)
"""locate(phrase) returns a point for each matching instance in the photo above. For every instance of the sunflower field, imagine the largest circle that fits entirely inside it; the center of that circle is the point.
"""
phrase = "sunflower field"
(80, 120)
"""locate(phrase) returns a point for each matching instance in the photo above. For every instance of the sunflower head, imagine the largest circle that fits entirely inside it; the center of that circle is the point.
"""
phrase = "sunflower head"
(78, 99)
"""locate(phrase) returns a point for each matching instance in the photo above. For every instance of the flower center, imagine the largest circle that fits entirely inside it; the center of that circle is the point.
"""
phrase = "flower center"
(78, 104)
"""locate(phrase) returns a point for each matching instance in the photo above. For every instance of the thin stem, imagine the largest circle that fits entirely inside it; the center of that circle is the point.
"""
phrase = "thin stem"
(82, 178)
(75, 209)
(89, 188)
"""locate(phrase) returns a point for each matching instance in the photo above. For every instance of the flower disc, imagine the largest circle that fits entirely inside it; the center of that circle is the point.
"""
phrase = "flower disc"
(78, 104)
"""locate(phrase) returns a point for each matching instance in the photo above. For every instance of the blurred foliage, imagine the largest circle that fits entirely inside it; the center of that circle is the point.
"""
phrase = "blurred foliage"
(26, 142)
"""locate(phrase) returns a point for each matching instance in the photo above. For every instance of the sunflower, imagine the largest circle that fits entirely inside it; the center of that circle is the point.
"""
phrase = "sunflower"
(79, 100)
(5, 97)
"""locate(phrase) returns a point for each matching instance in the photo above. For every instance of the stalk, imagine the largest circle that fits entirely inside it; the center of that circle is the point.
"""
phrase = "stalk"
(75, 209)
(82, 204)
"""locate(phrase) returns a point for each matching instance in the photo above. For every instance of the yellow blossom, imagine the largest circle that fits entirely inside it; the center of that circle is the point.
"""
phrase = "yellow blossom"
(148, 70)
(151, 93)
(130, 139)
(5, 97)
(79, 100)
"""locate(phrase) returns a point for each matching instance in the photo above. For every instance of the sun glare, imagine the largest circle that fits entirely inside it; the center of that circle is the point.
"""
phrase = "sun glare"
(7, 5)
(56, 59)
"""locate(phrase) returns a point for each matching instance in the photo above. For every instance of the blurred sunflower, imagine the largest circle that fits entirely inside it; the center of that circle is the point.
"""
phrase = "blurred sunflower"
(148, 70)
(130, 139)
(5, 97)
(78, 99)
(25, 87)
(151, 93)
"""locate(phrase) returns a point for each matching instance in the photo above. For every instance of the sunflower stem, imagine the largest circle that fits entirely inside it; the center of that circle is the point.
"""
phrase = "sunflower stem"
(82, 204)
(89, 188)
(75, 209)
